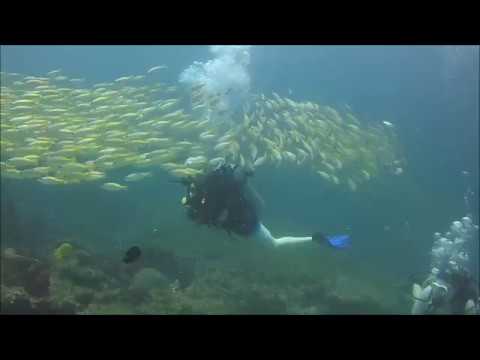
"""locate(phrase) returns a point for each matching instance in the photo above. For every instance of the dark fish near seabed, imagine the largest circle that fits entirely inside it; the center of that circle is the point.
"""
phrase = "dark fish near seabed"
(132, 255)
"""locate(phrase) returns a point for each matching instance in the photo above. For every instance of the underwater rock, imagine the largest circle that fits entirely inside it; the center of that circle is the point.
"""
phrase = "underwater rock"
(37, 283)
(262, 303)
(15, 300)
(108, 309)
(63, 307)
(107, 296)
(84, 258)
(309, 310)
(172, 266)
(348, 295)
(148, 279)
(151, 290)
(84, 276)
(353, 305)
(239, 291)
(84, 296)
(14, 267)
(163, 301)
(29, 273)
(313, 295)
(135, 296)
(68, 297)
(79, 282)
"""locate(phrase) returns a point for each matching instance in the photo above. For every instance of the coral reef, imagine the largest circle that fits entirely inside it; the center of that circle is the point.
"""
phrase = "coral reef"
(26, 286)
(80, 283)
(16, 300)
(32, 274)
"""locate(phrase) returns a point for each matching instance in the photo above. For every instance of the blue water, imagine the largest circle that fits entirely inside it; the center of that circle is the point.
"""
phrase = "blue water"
(430, 93)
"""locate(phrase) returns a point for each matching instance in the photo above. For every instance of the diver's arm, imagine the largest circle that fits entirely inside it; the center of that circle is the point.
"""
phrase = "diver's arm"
(264, 235)
(422, 299)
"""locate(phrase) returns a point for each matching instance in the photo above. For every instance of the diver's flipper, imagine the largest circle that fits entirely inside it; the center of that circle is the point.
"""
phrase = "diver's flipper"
(339, 241)
(336, 241)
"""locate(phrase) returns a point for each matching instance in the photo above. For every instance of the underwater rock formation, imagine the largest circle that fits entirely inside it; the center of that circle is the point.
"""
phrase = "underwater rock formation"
(26, 286)
(15, 300)
(84, 296)
(30, 273)
(353, 305)
(258, 302)
(171, 265)
(348, 295)
(86, 287)
(147, 279)
(87, 277)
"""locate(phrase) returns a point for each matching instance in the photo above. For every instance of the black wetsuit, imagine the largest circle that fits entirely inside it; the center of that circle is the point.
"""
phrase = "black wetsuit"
(465, 288)
(221, 198)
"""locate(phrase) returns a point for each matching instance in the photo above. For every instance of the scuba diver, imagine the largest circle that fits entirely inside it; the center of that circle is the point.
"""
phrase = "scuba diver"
(224, 199)
(450, 287)
(455, 293)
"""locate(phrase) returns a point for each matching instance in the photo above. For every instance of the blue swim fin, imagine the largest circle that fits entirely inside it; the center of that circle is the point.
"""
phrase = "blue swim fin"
(336, 241)
(339, 241)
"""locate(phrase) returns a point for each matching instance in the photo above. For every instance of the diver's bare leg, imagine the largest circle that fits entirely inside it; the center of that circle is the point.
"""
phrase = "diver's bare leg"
(264, 235)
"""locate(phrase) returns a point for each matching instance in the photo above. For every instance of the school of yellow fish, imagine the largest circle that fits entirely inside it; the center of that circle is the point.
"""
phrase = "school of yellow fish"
(59, 131)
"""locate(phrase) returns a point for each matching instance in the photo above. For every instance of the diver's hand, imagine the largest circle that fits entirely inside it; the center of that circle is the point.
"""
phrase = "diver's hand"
(471, 308)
